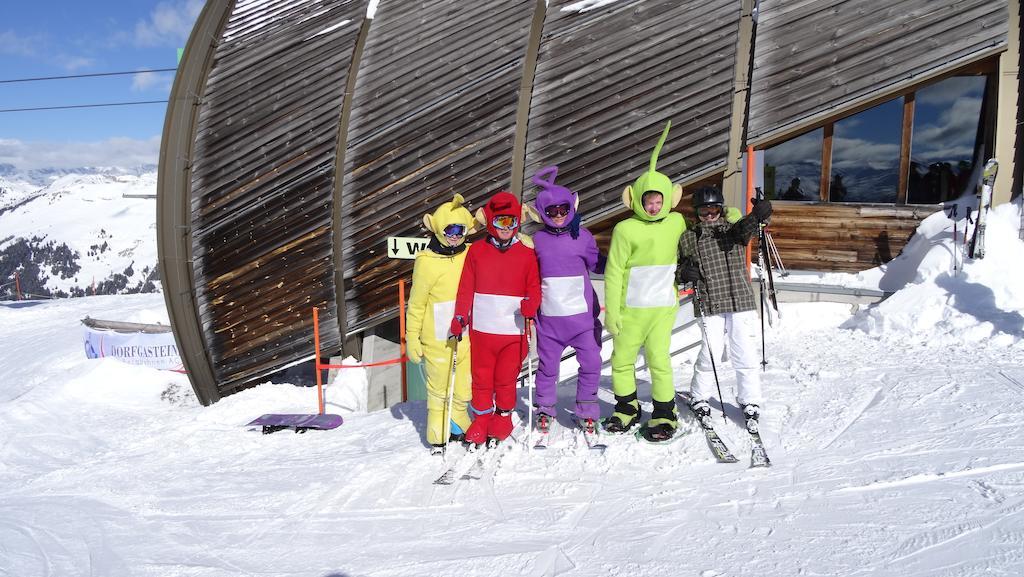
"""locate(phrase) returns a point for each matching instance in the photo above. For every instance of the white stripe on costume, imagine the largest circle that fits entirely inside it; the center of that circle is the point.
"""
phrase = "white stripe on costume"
(651, 286)
(562, 296)
(497, 314)
(444, 312)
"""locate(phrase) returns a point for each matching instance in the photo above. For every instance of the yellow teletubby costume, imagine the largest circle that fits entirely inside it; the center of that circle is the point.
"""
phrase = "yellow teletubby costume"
(435, 280)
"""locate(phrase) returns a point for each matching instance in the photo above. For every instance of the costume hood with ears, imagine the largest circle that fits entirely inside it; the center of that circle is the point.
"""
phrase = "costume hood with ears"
(551, 194)
(653, 181)
(501, 203)
(449, 213)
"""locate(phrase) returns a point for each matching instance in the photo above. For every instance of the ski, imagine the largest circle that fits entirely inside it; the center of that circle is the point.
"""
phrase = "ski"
(591, 435)
(758, 454)
(988, 177)
(715, 443)
(488, 456)
(543, 434)
(451, 473)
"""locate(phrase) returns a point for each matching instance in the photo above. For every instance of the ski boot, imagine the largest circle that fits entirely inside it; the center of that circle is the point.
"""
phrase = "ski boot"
(702, 411)
(751, 413)
(436, 450)
(477, 433)
(500, 426)
(626, 415)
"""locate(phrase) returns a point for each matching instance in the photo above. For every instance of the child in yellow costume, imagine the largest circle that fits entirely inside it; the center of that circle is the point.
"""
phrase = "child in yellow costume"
(641, 299)
(435, 280)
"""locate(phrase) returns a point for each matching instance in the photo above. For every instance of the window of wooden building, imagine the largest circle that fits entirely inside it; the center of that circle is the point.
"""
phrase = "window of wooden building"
(919, 148)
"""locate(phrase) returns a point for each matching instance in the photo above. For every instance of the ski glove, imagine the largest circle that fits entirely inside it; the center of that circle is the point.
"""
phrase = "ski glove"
(528, 308)
(762, 209)
(414, 350)
(689, 272)
(458, 324)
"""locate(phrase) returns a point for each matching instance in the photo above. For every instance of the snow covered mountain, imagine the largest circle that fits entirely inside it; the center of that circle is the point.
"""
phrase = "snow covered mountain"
(74, 232)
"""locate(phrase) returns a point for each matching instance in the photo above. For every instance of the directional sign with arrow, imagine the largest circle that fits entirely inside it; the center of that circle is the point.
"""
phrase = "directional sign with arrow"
(405, 246)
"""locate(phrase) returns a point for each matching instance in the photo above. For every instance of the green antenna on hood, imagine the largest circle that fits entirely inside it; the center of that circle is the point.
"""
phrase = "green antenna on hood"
(653, 181)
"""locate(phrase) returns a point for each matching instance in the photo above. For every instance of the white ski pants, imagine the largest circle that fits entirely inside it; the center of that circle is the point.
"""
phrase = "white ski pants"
(739, 333)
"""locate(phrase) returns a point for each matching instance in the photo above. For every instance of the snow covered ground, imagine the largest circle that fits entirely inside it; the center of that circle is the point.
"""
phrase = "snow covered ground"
(896, 433)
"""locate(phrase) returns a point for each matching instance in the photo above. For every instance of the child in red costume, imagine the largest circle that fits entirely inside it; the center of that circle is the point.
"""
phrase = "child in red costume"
(499, 289)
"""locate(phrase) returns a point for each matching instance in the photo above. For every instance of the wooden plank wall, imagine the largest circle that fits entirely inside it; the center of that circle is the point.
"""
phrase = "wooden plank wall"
(818, 237)
(817, 58)
(608, 79)
(433, 114)
(262, 185)
(842, 237)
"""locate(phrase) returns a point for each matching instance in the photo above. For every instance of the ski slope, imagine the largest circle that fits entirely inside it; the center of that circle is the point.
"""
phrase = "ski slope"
(897, 449)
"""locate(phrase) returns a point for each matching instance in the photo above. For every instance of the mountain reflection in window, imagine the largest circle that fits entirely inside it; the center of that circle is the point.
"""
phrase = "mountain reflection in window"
(866, 155)
(946, 124)
(792, 170)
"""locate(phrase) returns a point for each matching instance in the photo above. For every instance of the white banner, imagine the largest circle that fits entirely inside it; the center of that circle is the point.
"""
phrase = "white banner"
(146, 349)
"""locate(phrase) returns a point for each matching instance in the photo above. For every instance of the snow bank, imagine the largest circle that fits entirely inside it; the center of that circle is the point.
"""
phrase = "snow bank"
(983, 301)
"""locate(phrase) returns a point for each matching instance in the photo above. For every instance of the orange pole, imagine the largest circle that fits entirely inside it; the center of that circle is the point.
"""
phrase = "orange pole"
(401, 336)
(316, 358)
(750, 195)
(17, 284)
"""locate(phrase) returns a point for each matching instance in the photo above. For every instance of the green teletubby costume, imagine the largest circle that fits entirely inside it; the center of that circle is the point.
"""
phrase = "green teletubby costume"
(641, 298)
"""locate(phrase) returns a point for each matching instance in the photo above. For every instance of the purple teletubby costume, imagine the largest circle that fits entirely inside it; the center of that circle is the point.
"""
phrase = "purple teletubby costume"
(569, 307)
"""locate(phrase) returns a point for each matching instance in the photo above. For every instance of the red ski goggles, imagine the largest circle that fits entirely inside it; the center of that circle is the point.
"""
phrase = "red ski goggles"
(455, 230)
(505, 222)
(557, 210)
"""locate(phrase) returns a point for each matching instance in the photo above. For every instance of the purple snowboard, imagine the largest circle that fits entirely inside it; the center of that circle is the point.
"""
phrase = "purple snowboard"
(276, 422)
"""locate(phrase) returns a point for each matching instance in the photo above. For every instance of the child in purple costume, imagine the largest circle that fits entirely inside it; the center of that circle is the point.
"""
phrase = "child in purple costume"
(569, 308)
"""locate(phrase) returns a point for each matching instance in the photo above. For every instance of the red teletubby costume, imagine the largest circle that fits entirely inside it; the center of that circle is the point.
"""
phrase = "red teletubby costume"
(499, 289)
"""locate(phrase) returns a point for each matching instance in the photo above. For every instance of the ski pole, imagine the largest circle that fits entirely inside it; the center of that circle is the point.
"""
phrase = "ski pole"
(530, 383)
(707, 343)
(449, 397)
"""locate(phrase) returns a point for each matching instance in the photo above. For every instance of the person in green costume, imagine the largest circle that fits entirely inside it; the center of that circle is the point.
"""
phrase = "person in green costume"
(641, 299)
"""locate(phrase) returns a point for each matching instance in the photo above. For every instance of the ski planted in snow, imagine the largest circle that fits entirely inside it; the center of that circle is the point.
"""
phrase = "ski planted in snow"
(758, 454)
(451, 473)
(591, 434)
(715, 443)
(543, 432)
(988, 177)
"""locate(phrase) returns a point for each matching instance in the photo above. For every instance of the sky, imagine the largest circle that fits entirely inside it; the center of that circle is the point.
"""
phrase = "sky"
(65, 37)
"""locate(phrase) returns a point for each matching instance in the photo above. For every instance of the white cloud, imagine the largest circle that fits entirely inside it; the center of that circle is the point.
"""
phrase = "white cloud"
(169, 24)
(75, 63)
(853, 153)
(118, 152)
(145, 81)
(951, 90)
(12, 43)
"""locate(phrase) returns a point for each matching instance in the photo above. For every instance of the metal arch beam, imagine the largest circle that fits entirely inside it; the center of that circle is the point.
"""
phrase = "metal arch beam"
(173, 213)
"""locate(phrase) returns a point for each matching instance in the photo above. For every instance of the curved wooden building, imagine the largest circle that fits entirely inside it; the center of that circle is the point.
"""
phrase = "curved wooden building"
(301, 134)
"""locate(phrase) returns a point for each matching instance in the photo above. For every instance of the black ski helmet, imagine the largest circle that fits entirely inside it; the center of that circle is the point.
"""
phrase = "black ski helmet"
(707, 195)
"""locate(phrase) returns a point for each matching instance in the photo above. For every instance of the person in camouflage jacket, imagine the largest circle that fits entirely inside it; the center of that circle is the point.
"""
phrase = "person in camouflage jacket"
(712, 257)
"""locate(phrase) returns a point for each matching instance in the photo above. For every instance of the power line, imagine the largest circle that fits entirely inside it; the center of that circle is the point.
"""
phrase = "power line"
(86, 75)
(67, 107)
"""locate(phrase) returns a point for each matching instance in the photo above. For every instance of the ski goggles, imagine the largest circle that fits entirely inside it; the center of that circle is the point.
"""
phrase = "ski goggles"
(557, 210)
(505, 222)
(455, 230)
(707, 211)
